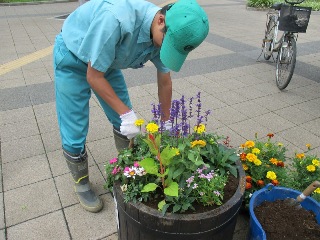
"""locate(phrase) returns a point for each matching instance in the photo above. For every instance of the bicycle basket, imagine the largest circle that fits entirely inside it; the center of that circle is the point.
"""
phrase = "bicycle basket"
(294, 18)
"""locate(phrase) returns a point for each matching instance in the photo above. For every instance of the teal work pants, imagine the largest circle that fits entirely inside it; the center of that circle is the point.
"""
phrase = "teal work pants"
(73, 93)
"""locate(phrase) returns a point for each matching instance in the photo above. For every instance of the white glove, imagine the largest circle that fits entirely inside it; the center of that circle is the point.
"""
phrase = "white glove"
(167, 125)
(127, 127)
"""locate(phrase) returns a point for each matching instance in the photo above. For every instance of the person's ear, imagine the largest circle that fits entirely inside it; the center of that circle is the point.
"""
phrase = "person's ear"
(161, 20)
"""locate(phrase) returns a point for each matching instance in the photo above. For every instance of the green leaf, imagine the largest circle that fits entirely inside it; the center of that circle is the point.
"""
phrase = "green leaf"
(152, 148)
(161, 204)
(172, 189)
(176, 208)
(178, 172)
(150, 187)
(149, 166)
(166, 155)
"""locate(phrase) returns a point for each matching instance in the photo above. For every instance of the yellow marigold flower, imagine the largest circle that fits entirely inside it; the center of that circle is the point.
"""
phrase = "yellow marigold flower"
(308, 145)
(300, 155)
(273, 161)
(251, 157)
(139, 122)
(249, 144)
(317, 190)
(316, 162)
(271, 175)
(280, 144)
(255, 150)
(257, 162)
(152, 128)
(201, 143)
(245, 167)
(242, 145)
(200, 129)
(311, 168)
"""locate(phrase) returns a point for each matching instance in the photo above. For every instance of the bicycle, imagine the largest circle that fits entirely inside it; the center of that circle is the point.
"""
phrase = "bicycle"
(291, 20)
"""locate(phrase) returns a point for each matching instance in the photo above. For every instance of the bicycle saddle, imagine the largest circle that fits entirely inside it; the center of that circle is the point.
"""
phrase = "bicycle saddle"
(277, 6)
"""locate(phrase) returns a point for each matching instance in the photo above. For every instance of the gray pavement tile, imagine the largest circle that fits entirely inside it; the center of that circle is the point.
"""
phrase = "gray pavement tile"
(14, 173)
(312, 126)
(22, 129)
(212, 103)
(2, 235)
(21, 148)
(45, 109)
(18, 99)
(274, 122)
(99, 129)
(247, 128)
(92, 226)
(102, 150)
(290, 97)
(295, 115)
(51, 140)
(250, 109)
(229, 115)
(51, 226)
(65, 186)
(31, 201)
(15, 115)
(311, 107)
(231, 97)
(300, 137)
(2, 222)
(270, 102)
(12, 83)
(47, 123)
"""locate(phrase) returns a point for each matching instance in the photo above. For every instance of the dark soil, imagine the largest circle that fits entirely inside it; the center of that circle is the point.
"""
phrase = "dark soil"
(229, 191)
(281, 220)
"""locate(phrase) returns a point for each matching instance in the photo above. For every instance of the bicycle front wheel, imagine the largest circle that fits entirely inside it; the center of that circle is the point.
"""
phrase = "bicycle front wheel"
(286, 62)
(268, 37)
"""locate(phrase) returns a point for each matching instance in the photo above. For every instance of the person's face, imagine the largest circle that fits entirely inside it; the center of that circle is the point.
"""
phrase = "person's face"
(159, 31)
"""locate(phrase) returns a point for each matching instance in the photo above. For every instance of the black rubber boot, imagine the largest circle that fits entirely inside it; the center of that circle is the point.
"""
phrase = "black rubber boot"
(78, 165)
(120, 140)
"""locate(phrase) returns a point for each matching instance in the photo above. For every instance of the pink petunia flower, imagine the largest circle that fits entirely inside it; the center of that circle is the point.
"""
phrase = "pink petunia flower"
(136, 164)
(114, 160)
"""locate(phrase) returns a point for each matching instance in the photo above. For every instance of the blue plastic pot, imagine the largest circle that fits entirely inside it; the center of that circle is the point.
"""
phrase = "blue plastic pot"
(271, 193)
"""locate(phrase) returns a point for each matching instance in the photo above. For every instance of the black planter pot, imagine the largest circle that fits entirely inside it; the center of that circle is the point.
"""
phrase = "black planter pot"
(140, 222)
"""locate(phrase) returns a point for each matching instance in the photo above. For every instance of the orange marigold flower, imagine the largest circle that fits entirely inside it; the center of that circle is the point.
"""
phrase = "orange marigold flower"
(248, 185)
(270, 135)
(280, 164)
(273, 161)
(243, 156)
(300, 155)
(248, 179)
(275, 182)
(308, 145)
(260, 183)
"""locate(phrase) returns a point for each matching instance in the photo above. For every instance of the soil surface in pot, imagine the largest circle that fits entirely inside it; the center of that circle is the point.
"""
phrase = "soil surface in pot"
(229, 190)
(281, 220)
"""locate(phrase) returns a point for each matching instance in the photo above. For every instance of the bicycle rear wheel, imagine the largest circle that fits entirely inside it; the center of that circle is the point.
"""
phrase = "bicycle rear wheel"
(268, 37)
(286, 61)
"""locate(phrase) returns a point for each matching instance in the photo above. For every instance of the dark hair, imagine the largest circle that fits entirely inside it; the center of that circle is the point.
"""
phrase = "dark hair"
(165, 8)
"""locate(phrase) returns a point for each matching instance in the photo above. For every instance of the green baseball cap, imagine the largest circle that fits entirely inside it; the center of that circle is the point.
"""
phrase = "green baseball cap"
(187, 26)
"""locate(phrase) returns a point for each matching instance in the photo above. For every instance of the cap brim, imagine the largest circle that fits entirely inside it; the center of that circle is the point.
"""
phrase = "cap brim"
(169, 56)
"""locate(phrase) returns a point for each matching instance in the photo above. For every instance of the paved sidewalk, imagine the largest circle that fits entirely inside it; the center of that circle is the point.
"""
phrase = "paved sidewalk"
(36, 197)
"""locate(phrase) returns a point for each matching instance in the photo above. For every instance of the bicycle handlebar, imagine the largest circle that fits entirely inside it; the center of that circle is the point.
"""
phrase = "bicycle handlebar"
(294, 2)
